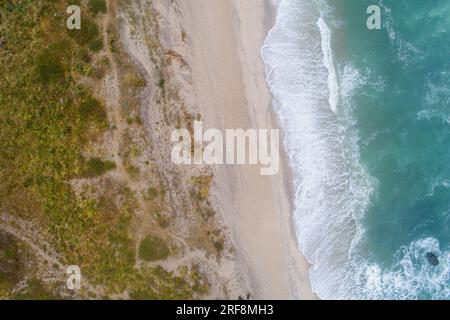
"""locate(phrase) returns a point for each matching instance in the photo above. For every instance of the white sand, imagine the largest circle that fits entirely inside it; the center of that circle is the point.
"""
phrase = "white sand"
(224, 41)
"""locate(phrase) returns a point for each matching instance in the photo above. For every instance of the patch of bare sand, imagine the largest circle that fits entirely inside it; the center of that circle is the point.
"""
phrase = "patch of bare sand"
(225, 38)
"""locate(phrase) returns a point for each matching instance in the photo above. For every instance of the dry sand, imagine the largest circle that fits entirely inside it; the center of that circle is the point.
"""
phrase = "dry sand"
(224, 42)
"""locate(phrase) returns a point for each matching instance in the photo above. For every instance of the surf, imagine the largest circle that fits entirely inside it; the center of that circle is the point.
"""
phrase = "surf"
(342, 122)
(332, 190)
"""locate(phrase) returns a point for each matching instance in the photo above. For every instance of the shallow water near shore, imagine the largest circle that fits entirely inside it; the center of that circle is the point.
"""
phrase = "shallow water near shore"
(366, 118)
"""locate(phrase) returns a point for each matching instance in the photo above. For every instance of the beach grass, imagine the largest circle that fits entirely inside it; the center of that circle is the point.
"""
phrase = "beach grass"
(49, 114)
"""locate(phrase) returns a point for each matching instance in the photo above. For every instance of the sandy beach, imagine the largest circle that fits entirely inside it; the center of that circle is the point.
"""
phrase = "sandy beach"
(219, 75)
(225, 38)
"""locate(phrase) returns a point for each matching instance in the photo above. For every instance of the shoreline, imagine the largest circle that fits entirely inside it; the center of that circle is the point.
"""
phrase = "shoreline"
(231, 92)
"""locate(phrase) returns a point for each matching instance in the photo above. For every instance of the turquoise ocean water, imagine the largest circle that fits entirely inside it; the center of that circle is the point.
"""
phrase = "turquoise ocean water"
(366, 117)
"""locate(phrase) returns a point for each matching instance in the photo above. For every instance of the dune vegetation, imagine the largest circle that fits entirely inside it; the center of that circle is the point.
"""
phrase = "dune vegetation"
(50, 114)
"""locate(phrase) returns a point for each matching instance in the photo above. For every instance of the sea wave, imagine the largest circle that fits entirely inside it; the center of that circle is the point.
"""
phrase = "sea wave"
(332, 189)
(333, 87)
(411, 276)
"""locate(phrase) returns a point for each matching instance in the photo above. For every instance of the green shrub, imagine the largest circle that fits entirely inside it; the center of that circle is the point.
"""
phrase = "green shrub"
(96, 167)
(153, 248)
(132, 171)
(91, 109)
(219, 245)
(147, 294)
(35, 290)
(134, 80)
(97, 6)
(96, 45)
(152, 193)
(48, 67)
(162, 83)
(88, 32)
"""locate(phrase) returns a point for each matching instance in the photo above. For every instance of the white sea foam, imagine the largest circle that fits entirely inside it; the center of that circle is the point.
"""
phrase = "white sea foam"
(411, 276)
(332, 188)
(333, 86)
